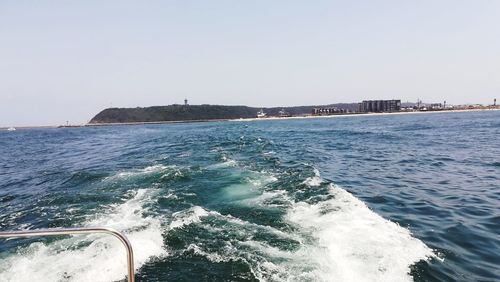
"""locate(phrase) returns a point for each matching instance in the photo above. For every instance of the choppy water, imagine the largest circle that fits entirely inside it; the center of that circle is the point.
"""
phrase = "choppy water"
(386, 198)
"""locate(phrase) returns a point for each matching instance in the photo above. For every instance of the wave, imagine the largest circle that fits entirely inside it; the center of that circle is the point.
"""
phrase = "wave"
(339, 239)
(225, 162)
(269, 199)
(189, 216)
(352, 243)
(314, 180)
(91, 257)
(495, 164)
(196, 214)
(213, 256)
(165, 172)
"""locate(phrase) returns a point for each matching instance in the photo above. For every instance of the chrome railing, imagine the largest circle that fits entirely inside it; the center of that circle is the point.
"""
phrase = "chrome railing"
(83, 230)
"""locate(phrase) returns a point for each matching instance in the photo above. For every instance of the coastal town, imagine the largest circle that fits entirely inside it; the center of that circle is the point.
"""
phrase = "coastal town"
(384, 106)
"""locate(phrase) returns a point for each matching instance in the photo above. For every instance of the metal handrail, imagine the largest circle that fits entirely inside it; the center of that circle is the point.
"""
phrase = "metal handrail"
(82, 230)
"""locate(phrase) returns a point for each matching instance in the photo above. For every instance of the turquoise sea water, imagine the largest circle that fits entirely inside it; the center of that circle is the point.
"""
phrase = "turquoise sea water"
(374, 198)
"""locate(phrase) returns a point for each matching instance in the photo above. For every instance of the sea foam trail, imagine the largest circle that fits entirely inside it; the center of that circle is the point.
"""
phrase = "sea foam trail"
(353, 243)
(165, 171)
(104, 259)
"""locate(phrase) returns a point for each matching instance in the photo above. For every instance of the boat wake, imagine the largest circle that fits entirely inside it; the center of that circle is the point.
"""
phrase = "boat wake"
(328, 236)
(338, 238)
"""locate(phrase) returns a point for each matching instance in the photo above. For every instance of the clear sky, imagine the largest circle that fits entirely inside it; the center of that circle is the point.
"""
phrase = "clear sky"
(67, 60)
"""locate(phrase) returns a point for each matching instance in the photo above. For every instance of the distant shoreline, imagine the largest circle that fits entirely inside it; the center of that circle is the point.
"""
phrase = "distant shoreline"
(251, 119)
(365, 114)
(290, 118)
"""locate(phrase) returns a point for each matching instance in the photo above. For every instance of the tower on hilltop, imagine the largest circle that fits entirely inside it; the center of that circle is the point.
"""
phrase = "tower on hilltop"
(186, 102)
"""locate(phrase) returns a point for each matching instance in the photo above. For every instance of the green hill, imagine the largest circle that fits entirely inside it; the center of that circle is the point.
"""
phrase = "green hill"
(195, 112)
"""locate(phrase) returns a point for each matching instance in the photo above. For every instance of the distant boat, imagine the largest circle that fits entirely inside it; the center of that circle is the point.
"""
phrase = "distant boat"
(261, 114)
(11, 129)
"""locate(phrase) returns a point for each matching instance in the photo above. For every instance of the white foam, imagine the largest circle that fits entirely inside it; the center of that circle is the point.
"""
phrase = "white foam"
(145, 171)
(237, 221)
(260, 179)
(226, 162)
(250, 191)
(186, 217)
(171, 196)
(195, 214)
(229, 162)
(314, 180)
(353, 243)
(269, 250)
(103, 259)
(215, 256)
(267, 198)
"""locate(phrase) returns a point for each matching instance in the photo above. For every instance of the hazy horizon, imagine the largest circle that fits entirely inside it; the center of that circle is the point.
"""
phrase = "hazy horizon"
(66, 61)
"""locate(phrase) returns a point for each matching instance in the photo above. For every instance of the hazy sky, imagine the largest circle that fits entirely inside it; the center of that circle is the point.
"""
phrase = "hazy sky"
(67, 60)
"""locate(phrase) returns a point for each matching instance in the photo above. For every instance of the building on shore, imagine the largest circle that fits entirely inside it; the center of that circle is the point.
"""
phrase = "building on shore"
(436, 106)
(379, 106)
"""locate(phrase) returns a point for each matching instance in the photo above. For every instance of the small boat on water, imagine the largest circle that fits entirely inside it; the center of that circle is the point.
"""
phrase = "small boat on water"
(261, 114)
(11, 129)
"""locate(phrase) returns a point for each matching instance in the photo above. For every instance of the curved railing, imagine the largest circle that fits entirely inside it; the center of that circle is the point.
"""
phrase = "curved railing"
(82, 230)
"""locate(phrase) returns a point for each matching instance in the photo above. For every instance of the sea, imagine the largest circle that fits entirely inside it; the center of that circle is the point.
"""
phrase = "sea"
(411, 197)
